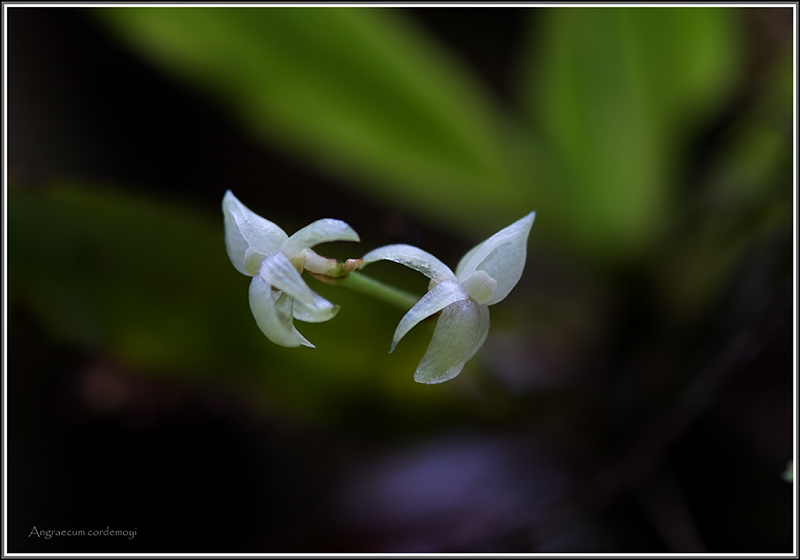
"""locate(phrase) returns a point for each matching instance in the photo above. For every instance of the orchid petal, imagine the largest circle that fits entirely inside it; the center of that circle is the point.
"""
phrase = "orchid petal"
(245, 229)
(502, 256)
(322, 311)
(279, 272)
(415, 258)
(308, 306)
(439, 297)
(273, 313)
(459, 333)
(321, 231)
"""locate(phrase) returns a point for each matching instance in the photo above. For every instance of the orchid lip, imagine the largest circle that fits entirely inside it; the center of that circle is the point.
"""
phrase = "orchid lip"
(480, 286)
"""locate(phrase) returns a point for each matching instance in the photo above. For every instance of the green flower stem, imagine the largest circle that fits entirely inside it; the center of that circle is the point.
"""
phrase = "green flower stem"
(377, 289)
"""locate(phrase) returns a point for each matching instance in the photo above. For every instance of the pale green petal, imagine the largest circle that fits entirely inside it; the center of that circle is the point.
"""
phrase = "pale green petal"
(459, 333)
(234, 241)
(321, 311)
(321, 231)
(279, 272)
(309, 307)
(273, 313)
(440, 296)
(484, 328)
(412, 257)
(244, 229)
(502, 256)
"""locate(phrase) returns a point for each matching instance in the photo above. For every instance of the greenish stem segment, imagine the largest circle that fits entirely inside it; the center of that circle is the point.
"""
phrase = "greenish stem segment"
(377, 289)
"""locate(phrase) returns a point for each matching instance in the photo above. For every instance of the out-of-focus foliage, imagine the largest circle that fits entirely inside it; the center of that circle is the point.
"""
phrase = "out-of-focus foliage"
(613, 93)
(743, 203)
(358, 91)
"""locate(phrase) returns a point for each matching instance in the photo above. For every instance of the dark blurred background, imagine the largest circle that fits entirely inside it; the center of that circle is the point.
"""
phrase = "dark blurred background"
(635, 393)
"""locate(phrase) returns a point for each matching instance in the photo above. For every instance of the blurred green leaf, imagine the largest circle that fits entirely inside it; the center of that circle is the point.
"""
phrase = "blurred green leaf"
(616, 94)
(149, 284)
(361, 92)
(122, 273)
(742, 206)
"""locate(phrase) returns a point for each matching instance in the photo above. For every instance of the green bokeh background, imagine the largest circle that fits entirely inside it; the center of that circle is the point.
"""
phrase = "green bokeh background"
(655, 145)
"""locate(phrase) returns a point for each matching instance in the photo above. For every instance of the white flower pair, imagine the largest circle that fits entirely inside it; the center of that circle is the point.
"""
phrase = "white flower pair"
(485, 276)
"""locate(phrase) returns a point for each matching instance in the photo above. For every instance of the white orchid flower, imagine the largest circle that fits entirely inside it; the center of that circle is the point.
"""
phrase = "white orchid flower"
(278, 293)
(485, 276)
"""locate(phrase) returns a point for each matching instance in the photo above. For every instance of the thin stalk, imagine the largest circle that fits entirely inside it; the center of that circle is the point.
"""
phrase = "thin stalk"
(377, 289)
